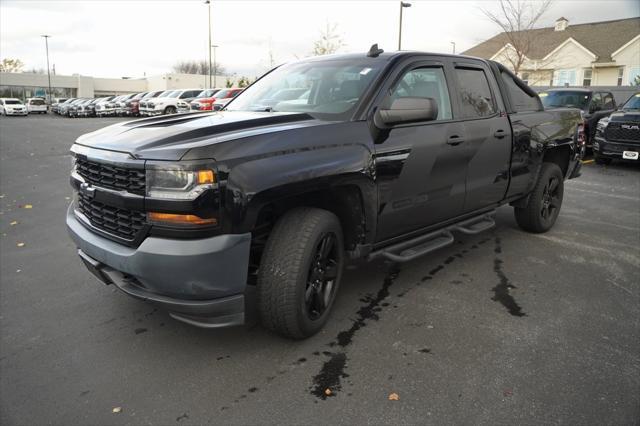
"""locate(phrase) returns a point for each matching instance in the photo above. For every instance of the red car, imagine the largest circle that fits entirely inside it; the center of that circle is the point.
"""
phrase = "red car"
(204, 102)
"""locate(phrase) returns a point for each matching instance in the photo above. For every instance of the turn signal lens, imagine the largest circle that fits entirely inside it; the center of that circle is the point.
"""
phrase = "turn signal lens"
(181, 219)
(206, 176)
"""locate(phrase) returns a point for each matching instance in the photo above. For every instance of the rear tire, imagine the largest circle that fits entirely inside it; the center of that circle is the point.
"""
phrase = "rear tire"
(300, 272)
(545, 201)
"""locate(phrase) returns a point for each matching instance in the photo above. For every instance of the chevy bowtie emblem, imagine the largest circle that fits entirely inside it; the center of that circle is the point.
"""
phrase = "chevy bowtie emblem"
(87, 189)
(630, 127)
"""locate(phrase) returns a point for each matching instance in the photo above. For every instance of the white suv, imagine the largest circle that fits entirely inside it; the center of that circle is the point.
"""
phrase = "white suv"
(36, 105)
(12, 106)
(170, 102)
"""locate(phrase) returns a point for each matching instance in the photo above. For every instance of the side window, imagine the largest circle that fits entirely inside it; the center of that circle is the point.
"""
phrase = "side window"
(521, 100)
(185, 95)
(609, 103)
(426, 83)
(475, 94)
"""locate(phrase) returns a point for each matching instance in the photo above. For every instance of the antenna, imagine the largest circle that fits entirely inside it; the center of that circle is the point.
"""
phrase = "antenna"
(374, 52)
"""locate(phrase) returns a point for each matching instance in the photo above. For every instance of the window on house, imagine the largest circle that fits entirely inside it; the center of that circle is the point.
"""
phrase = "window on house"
(586, 77)
(634, 76)
(525, 78)
(564, 77)
(620, 75)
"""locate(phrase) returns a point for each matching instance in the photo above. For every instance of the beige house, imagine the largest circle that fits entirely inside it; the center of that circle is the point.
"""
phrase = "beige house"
(597, 53)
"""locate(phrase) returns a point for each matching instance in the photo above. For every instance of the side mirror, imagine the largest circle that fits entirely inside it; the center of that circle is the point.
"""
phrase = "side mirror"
(407, 110)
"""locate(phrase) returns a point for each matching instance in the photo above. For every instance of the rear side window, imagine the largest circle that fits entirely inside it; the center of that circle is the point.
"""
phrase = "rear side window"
(476, 99)
(426, 83)
(520, 100)
(609, 103)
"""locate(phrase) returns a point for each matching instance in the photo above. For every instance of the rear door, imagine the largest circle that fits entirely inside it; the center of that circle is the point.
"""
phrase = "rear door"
(486, 133)
(420, 167)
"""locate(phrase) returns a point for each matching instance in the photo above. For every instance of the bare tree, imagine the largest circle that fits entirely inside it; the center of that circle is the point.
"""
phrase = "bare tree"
(197, 67)
(515, 18)
(330, 40)
(11, 65)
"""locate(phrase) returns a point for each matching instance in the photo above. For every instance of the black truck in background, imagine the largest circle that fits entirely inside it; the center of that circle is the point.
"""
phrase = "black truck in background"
(378, 155)
(618, 135)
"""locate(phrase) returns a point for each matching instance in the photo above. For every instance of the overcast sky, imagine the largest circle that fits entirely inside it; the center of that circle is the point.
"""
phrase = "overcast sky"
(130, 38)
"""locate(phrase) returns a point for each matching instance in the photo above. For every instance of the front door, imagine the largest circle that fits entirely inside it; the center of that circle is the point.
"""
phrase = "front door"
(420, 167)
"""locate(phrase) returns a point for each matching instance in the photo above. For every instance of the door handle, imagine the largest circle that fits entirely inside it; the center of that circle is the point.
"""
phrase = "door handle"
(455, 140)
(499, 134)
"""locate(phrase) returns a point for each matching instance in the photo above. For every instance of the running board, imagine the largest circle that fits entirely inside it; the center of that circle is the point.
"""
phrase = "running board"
(425, 244)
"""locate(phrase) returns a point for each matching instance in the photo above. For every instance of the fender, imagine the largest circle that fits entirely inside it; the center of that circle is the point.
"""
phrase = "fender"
(254, 184)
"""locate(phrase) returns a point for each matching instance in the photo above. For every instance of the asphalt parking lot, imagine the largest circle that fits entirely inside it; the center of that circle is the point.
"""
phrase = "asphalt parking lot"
(502, 328)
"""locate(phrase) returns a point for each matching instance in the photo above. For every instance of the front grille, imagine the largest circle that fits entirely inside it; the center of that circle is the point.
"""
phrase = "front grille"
(616, 132)
(122, 223)
(113, 177)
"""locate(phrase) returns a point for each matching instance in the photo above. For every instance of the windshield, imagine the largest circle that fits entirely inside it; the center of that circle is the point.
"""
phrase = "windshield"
(173, 94)
(12, 102)
(562, 98)
(165, 94)
(328, 89)
(139, 96)
(632, 103)
(207, 93)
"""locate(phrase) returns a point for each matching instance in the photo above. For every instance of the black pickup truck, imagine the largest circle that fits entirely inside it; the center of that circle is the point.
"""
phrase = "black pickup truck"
(618, 135)
(256, 208)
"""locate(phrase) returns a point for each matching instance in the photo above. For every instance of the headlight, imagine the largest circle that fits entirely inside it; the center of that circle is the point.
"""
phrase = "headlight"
(178, 184)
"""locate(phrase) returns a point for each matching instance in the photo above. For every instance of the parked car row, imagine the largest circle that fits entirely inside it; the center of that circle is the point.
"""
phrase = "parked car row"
(145, 104)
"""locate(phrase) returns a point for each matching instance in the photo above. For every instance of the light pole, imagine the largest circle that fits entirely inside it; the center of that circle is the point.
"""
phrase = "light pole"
(208, 3)
(402, 6)
(46, 43)
(453, 43)
(215, 66)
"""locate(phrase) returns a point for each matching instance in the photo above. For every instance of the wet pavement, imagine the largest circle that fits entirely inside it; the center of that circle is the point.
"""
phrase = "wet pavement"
(502, 327)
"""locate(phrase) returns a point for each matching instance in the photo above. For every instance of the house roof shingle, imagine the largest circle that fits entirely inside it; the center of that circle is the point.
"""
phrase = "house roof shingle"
(601, 38)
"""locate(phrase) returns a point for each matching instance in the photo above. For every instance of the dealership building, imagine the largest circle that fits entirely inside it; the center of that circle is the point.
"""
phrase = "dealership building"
(27, 85)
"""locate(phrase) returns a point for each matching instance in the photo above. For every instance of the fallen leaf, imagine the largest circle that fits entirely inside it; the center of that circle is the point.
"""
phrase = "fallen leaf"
(393, 397)
(2, 196)
(18, 270)
(14, 223)
(117, 410)
(20, 244)
(67, 198)
(327, 391)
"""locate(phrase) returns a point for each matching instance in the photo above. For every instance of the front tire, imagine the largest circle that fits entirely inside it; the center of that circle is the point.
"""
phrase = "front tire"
(545, 201)
(300, 272)
(170, 110)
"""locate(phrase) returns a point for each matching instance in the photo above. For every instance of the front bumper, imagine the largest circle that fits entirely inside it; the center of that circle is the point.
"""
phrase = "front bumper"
(609, 149)
(201, 282)
(14, 112)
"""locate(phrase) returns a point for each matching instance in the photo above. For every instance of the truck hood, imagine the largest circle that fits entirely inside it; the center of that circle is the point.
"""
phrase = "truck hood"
(171, 137)
(625, 116)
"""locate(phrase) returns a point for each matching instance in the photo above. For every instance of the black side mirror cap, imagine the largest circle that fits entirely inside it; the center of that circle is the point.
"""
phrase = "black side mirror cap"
(407, 110)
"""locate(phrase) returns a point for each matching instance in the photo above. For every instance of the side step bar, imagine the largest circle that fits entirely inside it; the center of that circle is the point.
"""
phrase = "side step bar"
(424, 244)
